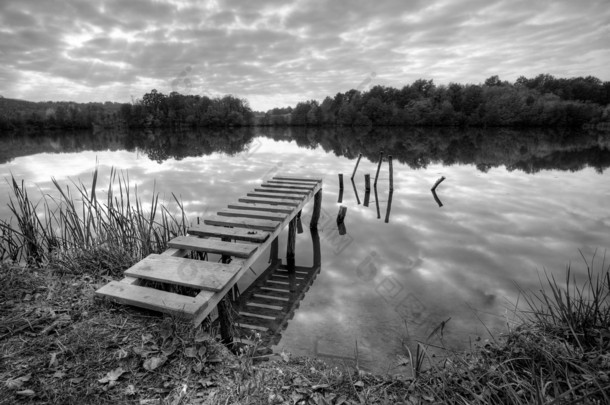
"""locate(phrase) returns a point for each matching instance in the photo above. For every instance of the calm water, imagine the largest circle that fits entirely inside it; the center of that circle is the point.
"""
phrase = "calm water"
(514, 204)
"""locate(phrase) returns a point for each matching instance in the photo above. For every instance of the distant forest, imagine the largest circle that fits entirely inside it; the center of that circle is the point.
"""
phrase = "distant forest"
(542, 101)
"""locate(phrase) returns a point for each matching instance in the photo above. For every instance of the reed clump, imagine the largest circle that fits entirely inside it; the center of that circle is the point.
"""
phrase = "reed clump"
(76, 231)
(558, 354)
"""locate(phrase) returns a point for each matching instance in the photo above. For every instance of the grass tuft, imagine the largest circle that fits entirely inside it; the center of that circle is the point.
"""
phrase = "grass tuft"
(74, 231)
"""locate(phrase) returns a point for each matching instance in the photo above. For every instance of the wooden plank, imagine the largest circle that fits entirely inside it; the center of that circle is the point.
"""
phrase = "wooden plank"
(150, 298)
(249, 223)
(282, 191)
(285, 209)
(270, 201)
(292, 183)
(253, 327)
(273, 216)
(212, 246)
(308, 179)
(303, 186)
(265, 306)
(210, 276)
(233, 233)
(279, 196)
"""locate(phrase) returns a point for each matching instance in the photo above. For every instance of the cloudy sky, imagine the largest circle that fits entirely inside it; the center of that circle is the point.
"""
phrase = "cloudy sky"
(276, 53)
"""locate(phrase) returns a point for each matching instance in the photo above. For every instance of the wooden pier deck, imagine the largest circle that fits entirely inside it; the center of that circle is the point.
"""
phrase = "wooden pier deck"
(240, 233)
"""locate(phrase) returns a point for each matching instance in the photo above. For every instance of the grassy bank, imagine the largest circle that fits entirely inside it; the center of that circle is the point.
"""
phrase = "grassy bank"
(60, 344)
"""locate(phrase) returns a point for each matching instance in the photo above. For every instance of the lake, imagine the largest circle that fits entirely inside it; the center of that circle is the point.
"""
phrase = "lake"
(513, 205)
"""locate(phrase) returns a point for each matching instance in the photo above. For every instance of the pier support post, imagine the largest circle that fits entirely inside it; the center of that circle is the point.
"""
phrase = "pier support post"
(391, 173)
(274, 252)
(299, 224)
(290, 248)
(226, 322)
(317, 206)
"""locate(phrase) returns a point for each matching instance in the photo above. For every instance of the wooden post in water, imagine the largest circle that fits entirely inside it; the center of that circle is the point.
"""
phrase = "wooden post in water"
(357, 163)
(290, 248)
(389, 207)
(367, 182)
(299, 224)
(340, 181)
(378, 167)
(317, 206)
(391, 173)
(341, 214)
(439, 181)
(274, 252)
(377, 203)
(356, 192)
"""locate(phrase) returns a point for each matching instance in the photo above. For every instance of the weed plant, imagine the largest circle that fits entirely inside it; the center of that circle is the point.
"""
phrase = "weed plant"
(75, 231)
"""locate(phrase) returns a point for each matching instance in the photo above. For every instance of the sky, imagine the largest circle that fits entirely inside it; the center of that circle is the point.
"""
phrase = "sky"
(276, 53)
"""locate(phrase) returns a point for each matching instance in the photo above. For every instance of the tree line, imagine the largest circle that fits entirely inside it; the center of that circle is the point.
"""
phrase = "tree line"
(542, 101)
(153, 110)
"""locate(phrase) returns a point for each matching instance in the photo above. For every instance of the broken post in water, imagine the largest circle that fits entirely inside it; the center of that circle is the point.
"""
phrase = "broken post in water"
(391, 173)
(367, 182)
(377, 203)
(389, 207)
(438, 200)
(340, 181)
(378, 167)
(341, 214)
(357, 163)
(439, 181)
(356, 192)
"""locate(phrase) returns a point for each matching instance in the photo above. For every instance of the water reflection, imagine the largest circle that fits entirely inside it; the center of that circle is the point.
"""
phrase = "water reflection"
(381, 284)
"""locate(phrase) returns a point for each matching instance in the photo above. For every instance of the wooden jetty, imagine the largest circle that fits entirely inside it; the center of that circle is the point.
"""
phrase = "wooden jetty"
(240, 234)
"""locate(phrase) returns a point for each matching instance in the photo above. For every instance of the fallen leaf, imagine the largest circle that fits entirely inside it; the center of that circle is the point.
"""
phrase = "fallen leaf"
(26, 393)
(202, 336)
(130, 390)
(359, 384)
(320, 387)
(76, 380)
(402, 360)
(190, 352)
(16, 383)
(112, 375)
(59, 374)
(166, 329)
(154, 362)
(285, 356)
(143, 351)
(202, 351)
(53, 362)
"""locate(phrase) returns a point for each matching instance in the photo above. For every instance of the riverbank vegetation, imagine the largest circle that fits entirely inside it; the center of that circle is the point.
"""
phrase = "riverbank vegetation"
(59, 344)
(542, 101)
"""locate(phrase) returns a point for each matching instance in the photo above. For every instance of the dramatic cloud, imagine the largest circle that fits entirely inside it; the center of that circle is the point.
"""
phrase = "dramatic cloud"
(276, 53)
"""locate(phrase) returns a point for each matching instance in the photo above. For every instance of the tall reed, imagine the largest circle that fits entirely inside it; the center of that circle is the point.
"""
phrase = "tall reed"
(59, 229)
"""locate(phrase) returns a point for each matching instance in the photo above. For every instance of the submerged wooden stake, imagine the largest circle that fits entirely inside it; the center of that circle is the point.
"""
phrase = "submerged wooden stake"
(341, 214)
(391, 173)
(290, 248)
(378, 167)
(340, 181)
(357, 163)
(389, 207)
(439, 181)
(367, 182)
